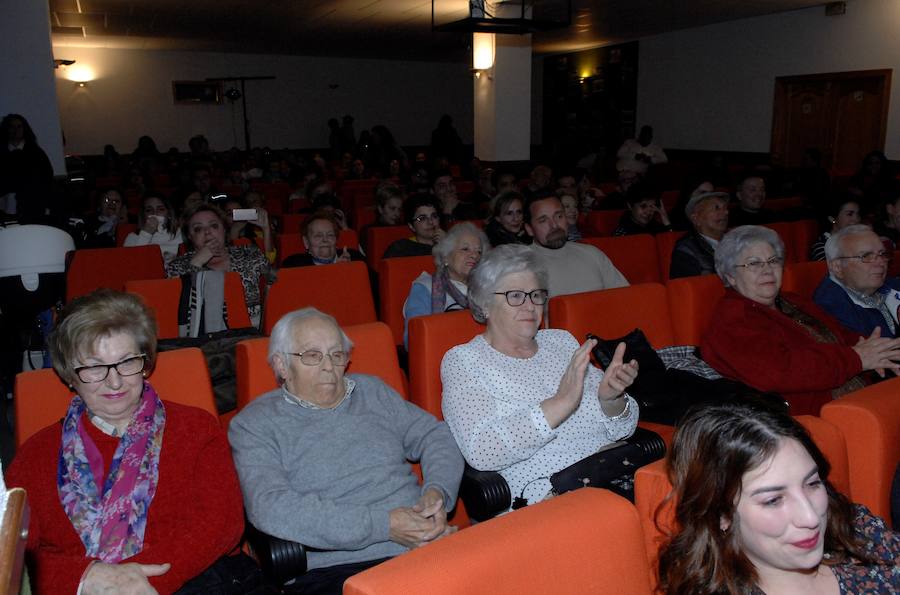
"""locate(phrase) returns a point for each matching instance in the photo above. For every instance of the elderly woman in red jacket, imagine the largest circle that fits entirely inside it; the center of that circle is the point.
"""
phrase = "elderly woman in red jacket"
(782, 342)
(128, 493)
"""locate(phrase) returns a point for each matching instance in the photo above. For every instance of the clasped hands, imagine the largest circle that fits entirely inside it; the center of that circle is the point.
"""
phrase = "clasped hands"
(425, 521)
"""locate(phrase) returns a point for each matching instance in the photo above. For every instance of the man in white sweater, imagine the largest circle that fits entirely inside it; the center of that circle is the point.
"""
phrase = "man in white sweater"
(572, 267)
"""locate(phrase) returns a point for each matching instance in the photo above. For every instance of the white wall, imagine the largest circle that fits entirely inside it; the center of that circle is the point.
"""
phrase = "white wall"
(132, 96)
(26, 72)
(712, 88)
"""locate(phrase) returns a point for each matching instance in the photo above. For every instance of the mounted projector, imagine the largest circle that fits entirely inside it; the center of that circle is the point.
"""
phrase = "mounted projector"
(517, 17)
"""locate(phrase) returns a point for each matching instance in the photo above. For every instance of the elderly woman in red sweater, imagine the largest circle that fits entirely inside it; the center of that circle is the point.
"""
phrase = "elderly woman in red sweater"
(782, 342)
(129, 493)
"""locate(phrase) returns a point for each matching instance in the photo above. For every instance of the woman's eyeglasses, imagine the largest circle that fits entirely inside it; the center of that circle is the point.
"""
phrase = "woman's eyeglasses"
(757, 266)
(99, 372)
(516, 297)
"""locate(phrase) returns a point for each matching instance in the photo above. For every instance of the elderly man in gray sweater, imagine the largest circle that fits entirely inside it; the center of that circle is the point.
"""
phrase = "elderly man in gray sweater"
(323, 459)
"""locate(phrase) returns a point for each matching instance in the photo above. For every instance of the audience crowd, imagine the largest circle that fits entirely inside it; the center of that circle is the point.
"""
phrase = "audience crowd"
(324, 458)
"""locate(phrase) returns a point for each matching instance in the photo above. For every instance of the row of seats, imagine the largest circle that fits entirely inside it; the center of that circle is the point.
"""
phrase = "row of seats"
(140, 270)
(859, 434)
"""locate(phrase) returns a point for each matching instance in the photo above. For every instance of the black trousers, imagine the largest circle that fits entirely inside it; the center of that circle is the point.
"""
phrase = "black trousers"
(328, 580)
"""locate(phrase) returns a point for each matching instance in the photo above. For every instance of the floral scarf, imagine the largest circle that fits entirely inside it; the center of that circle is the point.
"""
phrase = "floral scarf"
(111, 522)
(441, 285)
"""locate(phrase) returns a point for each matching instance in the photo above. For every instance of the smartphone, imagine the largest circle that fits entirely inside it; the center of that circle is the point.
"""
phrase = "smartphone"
(244, 215)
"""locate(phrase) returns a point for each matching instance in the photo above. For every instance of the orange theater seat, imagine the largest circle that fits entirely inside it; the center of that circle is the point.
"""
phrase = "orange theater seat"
(373, 353)
(635, 256)
(430, 337)
(665, 245)
(603, 223)
(342, 290)
(363, 216)
(395, 278)
(291, 223)
(784, 204)
(122, 231)
(669, 199)
(611, 313)
(785, 231)
(691, 304)
(180, 376)
(804, 233)
(803, 277)
(586, 541)
(163, 295)
(869, 419)
(379, 238)
(93, 268)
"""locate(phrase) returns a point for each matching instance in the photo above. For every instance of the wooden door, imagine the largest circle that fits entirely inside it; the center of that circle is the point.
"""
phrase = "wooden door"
(842, 114)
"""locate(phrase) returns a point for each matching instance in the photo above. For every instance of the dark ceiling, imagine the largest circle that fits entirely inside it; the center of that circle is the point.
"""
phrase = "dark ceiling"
(393, 29)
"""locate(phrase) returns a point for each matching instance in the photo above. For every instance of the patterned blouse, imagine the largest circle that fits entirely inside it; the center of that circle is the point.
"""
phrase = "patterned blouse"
(882, 544)
(492, 403)
(248, 261)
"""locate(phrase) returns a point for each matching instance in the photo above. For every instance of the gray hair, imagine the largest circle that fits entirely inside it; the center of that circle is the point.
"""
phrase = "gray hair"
(502, 261)
(739, 239)
(833, 244)
(443, 249)
(281, 340)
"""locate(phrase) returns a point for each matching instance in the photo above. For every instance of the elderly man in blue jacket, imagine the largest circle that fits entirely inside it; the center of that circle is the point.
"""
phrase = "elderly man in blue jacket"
(856, 290)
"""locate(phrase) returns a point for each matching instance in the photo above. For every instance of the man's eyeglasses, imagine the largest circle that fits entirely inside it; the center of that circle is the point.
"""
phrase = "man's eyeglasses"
(869, 257)
(422, 218)
(516, 297)
(99, 372)
(757, 266)
(312, 357)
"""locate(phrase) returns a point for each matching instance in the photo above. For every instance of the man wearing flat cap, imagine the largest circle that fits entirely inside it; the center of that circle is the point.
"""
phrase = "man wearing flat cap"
(694, 254)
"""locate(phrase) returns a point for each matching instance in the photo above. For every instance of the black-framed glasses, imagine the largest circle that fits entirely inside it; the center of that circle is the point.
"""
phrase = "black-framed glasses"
(313, 357)
(516, 297)
(757, 266)
(421, 218)
(869, 257)
(98, 372)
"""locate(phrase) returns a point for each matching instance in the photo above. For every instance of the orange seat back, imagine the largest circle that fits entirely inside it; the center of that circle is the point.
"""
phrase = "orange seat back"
(612, 313)
(373, 353)
(122, 231)
(362, 216)
(430, 337)
(805, 233)
(603, 223)
(691, 304)
(869, 419)
(163, 295)
(651, 486)
(783, 204)
(785, 231)
(585, 541)
(635, 256)
(669, 199)
(291, 223)
(93, 268)
(665, 245)
(803, 277)
(379, 238)
(342, 290)
(395, 278)
(180, 376)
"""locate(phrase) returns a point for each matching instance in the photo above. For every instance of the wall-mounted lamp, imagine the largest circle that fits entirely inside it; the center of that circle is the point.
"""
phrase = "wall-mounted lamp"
(483, 49)
(80, 74)
(81, 84)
